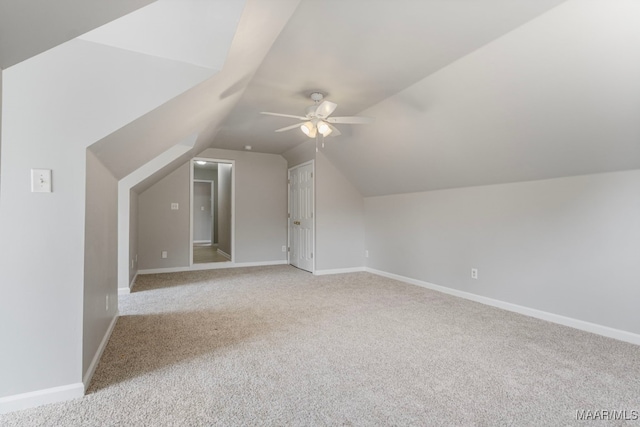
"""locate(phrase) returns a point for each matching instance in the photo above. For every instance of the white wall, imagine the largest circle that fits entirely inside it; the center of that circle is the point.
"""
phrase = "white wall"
(339, 219)
(568, 246)
(225, 174)
(100, 258)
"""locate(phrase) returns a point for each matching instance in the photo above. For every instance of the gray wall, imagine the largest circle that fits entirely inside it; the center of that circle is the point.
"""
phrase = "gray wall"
(159, 227)
(339, 219)
(100, 257)
(225, 172)
(206, 174)
(260, 204)
(260, 209)
(302, 153)
(0, 127)
(133, 235)
(339, 211)
(41, 253)
(568, 246)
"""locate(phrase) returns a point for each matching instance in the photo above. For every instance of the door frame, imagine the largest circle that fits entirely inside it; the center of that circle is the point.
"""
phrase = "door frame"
(233, 205)
(211, 182)
(313, 212)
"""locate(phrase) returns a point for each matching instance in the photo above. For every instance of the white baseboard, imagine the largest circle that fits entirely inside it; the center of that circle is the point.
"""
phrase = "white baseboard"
(96, 358)
(212, 266)
(594, 328)
(202, 241)
(126, 291)
(223, 253)
(260, 263)
(61, 393)
(32, 399)
(338, 271)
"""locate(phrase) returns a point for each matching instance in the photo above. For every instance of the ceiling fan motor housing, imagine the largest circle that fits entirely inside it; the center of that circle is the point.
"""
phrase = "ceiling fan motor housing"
(317, 96)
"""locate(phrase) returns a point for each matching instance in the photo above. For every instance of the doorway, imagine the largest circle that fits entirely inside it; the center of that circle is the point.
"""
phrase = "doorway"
(301, 217)
(212, 201)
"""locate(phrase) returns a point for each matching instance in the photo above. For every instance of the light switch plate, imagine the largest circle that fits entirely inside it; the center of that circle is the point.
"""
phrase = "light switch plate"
(41, 180)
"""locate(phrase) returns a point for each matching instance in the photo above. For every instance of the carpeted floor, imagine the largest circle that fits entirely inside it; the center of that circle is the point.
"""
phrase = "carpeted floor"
(278, 346)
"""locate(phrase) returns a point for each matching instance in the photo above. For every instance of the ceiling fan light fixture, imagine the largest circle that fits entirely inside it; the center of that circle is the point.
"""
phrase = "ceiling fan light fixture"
(308, 129)
(324, 128)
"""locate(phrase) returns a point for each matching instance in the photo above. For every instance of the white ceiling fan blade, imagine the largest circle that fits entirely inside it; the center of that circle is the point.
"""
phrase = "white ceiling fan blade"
(283, 115)
(353, 120)
(297, 125)
(334, 131)
(325, 109)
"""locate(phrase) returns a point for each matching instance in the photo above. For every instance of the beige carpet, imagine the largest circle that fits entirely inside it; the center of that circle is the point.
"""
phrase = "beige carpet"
(278, 346)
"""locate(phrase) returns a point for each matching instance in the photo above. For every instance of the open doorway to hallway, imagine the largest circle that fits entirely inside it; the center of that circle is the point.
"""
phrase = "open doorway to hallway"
(211, 211)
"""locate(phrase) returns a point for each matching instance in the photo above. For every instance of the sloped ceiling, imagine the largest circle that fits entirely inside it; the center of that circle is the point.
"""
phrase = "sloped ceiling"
(202, 108)
(464, 92)
(360, 52)
(29, 27)
(556, 97)
(198, 33)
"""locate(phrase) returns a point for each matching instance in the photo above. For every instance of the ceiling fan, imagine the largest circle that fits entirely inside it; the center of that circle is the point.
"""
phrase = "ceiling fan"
(317, 120)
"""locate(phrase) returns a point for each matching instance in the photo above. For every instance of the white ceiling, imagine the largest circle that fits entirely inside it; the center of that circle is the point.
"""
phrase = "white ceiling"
(464, 92)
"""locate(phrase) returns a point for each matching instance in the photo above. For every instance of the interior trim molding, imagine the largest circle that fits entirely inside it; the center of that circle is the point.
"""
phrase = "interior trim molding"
(212, 266)
(582, 325)
(45, 396)
(223, 253)
(127, 291)
(338, 271)
(96, 358)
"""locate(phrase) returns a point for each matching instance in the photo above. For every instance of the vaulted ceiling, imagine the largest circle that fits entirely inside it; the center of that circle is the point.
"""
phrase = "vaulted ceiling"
(463, 92)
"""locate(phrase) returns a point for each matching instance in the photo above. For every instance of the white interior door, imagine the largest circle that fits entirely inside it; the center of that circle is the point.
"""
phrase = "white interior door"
(301, 207)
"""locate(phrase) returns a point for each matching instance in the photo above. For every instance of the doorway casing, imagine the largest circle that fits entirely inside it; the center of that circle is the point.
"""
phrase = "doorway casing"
(233, 205)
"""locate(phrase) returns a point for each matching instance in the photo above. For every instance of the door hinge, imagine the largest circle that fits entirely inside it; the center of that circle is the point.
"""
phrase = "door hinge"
(311, 254)
(311, 174)
(288, 249)
(288, 215)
